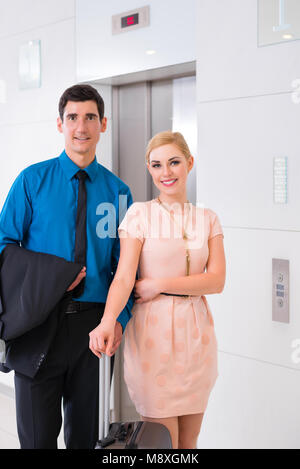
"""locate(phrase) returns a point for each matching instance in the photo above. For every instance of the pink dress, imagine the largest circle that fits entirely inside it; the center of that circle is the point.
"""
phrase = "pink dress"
(170, 352)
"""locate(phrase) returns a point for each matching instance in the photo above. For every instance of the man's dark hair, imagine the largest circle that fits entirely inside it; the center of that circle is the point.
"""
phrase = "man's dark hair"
(80, 93)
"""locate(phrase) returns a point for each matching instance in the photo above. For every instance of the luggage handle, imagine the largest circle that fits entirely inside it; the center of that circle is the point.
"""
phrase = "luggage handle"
(104, 397)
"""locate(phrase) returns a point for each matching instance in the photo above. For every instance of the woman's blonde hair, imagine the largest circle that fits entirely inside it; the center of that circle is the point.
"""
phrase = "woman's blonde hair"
(165, 138)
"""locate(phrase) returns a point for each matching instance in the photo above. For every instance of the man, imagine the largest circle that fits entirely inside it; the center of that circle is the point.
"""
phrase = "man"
(54, 207)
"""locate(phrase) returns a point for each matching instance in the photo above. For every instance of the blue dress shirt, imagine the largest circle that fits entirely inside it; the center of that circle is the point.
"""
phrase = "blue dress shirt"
(40, 214)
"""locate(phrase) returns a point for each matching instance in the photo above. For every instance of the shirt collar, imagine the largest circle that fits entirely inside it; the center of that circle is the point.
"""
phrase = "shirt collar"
(70, 168)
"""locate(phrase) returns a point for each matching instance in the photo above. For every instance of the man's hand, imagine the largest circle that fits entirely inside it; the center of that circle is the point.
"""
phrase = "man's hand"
(78, 279)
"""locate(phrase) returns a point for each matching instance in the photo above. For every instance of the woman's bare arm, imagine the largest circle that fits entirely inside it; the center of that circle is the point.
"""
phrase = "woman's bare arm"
(102, 337)
(123, 282)
(209, 282)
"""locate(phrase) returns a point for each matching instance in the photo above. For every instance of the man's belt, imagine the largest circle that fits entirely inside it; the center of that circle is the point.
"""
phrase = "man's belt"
(78, 306)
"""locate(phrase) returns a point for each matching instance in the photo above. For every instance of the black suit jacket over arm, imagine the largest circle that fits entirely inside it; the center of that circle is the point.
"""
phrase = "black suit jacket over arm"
(31, 287)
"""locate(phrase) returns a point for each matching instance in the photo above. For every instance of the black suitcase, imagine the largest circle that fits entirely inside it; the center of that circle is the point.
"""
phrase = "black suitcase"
(127, 435)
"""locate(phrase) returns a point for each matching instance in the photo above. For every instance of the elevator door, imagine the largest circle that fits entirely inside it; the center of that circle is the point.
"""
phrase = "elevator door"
(140, 111)
(144, 109)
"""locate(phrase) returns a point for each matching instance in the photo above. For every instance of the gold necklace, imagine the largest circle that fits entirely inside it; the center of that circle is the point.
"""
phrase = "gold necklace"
(184, 234)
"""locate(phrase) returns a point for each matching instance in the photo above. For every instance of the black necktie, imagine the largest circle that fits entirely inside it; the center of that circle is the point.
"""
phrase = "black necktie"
(80, 236)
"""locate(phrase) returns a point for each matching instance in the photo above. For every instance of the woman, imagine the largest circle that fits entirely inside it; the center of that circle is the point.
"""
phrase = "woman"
(170, 354)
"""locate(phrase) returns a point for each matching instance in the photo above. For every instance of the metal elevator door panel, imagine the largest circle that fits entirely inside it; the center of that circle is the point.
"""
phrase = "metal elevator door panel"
(132, 129)
(161, 106)
(144, 109)
(134, 133)
(173, 107)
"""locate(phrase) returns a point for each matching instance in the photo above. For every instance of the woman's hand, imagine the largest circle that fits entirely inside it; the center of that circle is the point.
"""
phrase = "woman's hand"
(118, 337)
(146, 289)
(102, 338)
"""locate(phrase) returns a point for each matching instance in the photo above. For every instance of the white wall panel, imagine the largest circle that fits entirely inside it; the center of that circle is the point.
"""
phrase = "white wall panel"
(246, 117)
(243, 312)
(18, 16)
(33, 142)
(253, 406)
(230, 64)
(57, 57)
(238, 140)
(100, 54)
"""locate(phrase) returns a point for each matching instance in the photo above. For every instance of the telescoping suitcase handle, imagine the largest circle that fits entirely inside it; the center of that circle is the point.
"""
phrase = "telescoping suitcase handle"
(104, 396)
(108, 434)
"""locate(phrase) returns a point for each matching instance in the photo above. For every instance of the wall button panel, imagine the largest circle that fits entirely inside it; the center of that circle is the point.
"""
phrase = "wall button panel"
(280, 290)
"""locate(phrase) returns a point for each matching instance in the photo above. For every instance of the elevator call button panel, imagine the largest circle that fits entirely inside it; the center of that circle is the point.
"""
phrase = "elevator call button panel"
(280, 290)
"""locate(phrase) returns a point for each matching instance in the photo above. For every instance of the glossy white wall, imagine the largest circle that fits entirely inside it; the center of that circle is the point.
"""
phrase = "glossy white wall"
(101, 54)
(246, 117)
(234, 65)
(251, 406)
(244, 135)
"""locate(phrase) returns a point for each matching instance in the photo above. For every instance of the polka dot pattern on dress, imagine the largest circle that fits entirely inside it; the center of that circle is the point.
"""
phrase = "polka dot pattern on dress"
(170, 350)
(145, 367)
(205, 339)
(179, 346)
(179, 369)
(161, 380)
(149, 343)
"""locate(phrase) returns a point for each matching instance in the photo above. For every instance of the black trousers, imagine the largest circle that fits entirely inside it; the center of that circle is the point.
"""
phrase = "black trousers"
(69, 376)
